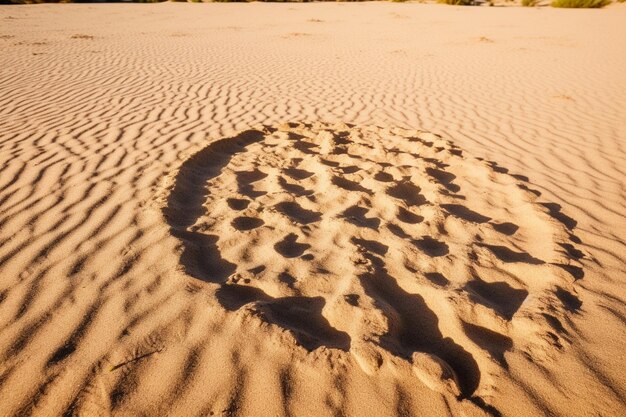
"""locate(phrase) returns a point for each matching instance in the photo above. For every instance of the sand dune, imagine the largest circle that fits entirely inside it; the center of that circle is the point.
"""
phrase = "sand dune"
(239, 210)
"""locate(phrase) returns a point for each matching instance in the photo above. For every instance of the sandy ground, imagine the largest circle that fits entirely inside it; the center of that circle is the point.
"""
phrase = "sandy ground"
(368, 209)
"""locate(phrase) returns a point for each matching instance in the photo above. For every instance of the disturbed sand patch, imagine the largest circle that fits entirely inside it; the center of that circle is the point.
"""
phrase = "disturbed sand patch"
(91, 279)
(377, 243)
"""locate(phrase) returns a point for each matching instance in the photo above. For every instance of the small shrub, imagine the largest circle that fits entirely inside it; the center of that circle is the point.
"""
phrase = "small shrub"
(530, 3)
(585, 4)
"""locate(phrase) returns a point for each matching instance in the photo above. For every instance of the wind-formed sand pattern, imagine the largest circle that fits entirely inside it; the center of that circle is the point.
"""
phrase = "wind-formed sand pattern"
(390, 247)
(169, 248)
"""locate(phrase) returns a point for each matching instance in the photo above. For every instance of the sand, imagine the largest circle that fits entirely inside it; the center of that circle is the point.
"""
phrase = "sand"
(368, 209)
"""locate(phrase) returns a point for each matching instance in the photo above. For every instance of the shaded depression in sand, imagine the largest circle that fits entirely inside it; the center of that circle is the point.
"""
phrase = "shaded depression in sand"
(378, 242)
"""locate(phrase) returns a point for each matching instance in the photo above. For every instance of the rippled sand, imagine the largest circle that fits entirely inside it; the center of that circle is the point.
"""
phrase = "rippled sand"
(367, 209)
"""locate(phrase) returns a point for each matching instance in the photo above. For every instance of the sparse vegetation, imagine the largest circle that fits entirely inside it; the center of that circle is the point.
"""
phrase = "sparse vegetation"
(580, 4)
(525, 3)
(457, 2)
(75, 1)
(81, 36)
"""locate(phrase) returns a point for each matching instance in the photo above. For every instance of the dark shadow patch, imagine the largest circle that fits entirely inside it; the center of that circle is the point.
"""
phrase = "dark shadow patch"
(289, 247)
(519, 177)
(238, 203)
(349, 185)
(431, 247)
(407, 192)
(530, 190)
(329, 163)
(286, 278)
(349, 170)
(458, 197)
(356, 216)
(422, 141)
(297, 174)
(497, 168)
(575, 271)
(505, 228)
(303, 317)
(508, 255)
(555, 323)
(246, 223)
(490, 409)
(569, 300)
(414, 326)
(436, 162)
(500, 296)
(444, 178)
(572, 252)
(293, 188)
(371, 245)
(494, 343)
(465, 213)
(63, 352)
(186, 200)
(398, 231)
(555, 212)
(232, 296)
(257, 269)
(245, 179)
(352, 299)
(383, 177)
(202, 258)
(298, 214)
(341, 138)
(437, 278)
(305, 147)
(406, 216)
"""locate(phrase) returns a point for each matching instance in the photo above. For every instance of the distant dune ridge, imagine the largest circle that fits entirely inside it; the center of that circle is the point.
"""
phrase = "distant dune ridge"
(526, 3)
(329, 209)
